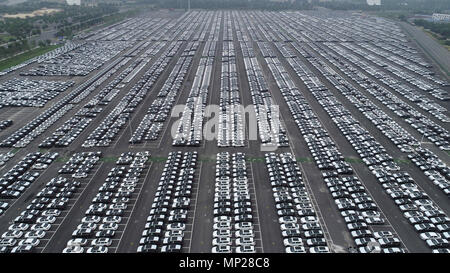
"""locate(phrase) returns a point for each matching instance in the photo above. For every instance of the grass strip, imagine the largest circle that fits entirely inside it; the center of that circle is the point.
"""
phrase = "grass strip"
(25, 56)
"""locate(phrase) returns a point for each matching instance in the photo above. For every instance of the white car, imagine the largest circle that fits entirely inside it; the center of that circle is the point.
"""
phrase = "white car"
(77, 242)
(221, 249)
(295, 249)
(243, 225)
(172, 248)
(364, 241)
(437, 243)
(39, 166)
(8, 242)
(35, 234)
(19, 226)
(109, 226)
(101, 242)
(80, 175)
(383, 234)
(221, 241)
(245, 241)
(112, 219)
(43, 226)
(222, 219)
(244, 233)
(393, 250)
(176, 226)
(51, 212)
(74, 249)
(87, 225)
(319, 249)
(245, 249)
(370, 249)
(222, 233)
(46, 219)
(170, 233)
(22, 249)
(97, 249)
(293, 241)
(222, 225)
(308, 219)
(12, 234)
(430, 235)
(29, 241)
(91, 219)
(289, 226)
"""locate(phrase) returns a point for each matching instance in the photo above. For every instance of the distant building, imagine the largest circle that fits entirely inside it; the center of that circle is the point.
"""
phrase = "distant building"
(94, 3)
(57, 1)
(441, 17)
(281, 1)
(73, 2)
(373, 2)
(319, 1)
(89, 3)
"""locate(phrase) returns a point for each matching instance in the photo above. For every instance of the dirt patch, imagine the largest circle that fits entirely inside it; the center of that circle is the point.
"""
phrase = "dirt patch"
(39, 12)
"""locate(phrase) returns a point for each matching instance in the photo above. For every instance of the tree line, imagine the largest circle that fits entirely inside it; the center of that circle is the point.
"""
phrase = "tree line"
(71, 18)
(229, 4)
(443, 29)
(413, 6)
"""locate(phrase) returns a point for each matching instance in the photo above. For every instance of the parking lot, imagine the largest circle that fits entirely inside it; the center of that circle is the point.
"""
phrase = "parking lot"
(327, 139)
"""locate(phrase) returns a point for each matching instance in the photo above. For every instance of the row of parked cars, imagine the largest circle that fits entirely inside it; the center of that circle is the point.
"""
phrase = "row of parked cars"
(71, 129)
(425, 82)
(5, 124)
(111, 125)
(24, 135)
(231, 125)
(271, 131)
(86, 88)
(193, 26)
(300, 227)
(66, 133)
(214, 32)
(389, 48)
(80, 164)
(422, 123)
(399, 185)
(190, 129)
(131, 29)
(16, 181)
(165, 228)
(359, 53)
(425, 160)
(357, 207)
(30, 228)
(110, 206)
(233, 228)
(152, 123)
(79, 61)
(227, 27)
(433, 168)
(19, 92)
(433, 131)
(5, 157)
